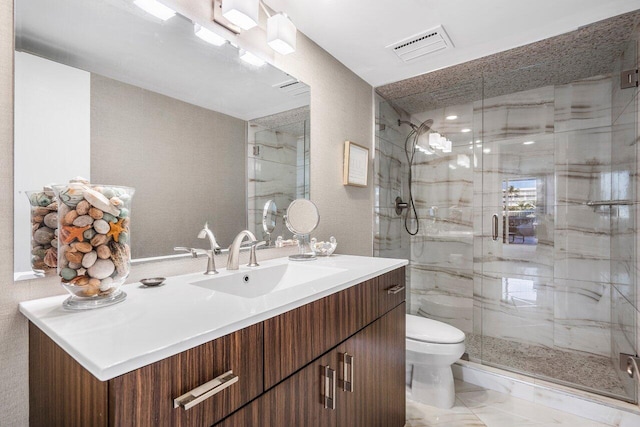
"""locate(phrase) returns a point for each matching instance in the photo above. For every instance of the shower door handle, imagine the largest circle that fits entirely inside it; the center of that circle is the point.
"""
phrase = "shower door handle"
(494, 227)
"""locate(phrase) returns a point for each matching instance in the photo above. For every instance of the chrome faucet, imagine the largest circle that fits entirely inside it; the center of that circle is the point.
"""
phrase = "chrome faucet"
(234, 250)
(211, 264)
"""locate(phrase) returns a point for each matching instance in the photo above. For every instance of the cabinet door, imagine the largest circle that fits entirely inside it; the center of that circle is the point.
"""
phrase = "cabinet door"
(145, 396)
(377, 374)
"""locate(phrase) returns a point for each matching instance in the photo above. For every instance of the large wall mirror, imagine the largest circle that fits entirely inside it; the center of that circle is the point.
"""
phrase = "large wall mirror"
(105, 91)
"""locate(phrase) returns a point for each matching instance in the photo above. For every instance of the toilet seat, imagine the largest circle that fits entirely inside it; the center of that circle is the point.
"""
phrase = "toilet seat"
(431, 331)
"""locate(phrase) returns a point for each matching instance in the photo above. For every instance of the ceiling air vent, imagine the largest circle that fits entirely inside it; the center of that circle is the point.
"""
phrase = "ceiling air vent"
(422, 44)
(293, 87)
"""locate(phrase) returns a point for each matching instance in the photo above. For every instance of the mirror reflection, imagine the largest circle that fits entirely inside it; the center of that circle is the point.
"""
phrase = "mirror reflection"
(105, 91)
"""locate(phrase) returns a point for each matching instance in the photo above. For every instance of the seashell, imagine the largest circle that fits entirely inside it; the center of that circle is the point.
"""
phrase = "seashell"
(53, 206)
(51, 220)
(117, 202)
(99, 239)
(95, 282)
(96, 213)
(81, 271)
(106, 284)
(72, 194)
(83, 207)
(54, 243)
(43, 235)
(89, 259)
(90, 291)
(40, 199)
(51, 258)
(88, 234)
(37, 219)
(38, 252)
(109, 218)
(115, 230)
(70, 217)
(68, 273)
(40, 210)
(101, 226)
(80, 280)
(38, 264)
(34, 227)
(84, 247)
(79, 179)
(74, 257)
(63, 210)
(101, 202)
(83, 221)
(75, 265)
(101, 269)
(120, 257)
(103, 252)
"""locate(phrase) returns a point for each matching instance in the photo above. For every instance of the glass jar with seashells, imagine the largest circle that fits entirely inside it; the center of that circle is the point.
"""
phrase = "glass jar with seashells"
(94, 257)
(44, 235)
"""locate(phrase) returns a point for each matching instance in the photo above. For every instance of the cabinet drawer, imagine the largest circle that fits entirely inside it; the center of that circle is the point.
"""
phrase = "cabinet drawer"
(391, 290)
(295, 338)
(146, 396)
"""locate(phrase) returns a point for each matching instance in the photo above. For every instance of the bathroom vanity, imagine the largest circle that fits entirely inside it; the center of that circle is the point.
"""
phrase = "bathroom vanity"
(323, 346)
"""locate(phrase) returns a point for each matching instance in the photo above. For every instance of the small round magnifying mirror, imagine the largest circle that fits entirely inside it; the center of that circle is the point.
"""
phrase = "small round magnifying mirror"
(301, 219)
(269, 217)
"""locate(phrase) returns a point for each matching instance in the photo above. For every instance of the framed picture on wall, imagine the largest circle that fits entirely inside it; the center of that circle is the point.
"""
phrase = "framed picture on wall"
(356, 164)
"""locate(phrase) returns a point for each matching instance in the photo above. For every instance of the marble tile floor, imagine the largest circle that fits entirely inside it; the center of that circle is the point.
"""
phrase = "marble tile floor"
(589, 372)
(479, 407)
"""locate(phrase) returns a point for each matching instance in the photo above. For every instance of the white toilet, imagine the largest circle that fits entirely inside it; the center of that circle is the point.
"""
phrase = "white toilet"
(432, 347)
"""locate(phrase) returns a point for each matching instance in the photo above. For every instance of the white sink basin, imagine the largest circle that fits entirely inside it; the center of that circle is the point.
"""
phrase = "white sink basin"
(258, 281)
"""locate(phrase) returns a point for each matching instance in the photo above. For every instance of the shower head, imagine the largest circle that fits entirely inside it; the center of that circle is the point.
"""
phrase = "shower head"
(420, 130)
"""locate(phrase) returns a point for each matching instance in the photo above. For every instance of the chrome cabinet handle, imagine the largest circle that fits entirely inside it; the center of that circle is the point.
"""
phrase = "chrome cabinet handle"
(395, 289)
(205, 391)
(347, 372)
(329, 388)
(494, 227)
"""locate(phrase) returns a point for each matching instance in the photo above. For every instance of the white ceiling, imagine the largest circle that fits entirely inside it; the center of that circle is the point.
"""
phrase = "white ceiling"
(356, 32)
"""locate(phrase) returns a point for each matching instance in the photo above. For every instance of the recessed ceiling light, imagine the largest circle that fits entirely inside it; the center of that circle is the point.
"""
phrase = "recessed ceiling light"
(155, 8)
(486, 150)
(528, 142)
(452, 117)
(478, 141)
(452, 167)
(465, 130)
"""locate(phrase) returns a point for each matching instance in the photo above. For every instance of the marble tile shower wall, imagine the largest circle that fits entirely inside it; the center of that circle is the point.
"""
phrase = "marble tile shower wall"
(273, 169)
(558, 292)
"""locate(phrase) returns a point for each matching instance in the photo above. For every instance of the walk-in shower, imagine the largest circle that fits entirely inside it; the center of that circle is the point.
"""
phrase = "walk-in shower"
(527, 238)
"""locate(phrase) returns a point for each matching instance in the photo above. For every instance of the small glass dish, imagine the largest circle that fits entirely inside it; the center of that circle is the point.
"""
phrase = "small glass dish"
(324, 248)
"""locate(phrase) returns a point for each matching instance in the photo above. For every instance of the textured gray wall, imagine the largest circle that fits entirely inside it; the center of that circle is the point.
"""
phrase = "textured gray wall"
(187, 164)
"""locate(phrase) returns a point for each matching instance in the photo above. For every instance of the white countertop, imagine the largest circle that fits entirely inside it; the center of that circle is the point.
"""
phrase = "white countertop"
(155, 323)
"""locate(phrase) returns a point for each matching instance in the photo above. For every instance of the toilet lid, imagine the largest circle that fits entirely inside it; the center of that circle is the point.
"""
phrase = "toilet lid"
(428, 330)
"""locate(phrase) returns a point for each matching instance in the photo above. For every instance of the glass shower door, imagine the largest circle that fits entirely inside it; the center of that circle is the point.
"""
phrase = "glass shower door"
(557, 258)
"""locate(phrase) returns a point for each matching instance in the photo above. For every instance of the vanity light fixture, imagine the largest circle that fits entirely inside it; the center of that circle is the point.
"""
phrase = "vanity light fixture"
(281, 34)
(447, 147)
(155, 8)
(208, 36)
(243, 13)
(452, 117)
(250, 58)
(465, 130)
(528, 142)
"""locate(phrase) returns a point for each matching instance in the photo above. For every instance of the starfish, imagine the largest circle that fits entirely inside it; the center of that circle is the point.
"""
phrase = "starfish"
(69, 233)
(116, 229)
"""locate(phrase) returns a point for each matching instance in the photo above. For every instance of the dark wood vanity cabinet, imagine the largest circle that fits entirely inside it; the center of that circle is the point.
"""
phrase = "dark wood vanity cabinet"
(286, 367)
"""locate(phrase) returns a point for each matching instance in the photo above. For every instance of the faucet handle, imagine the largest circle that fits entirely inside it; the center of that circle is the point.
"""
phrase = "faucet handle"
(253, 262)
